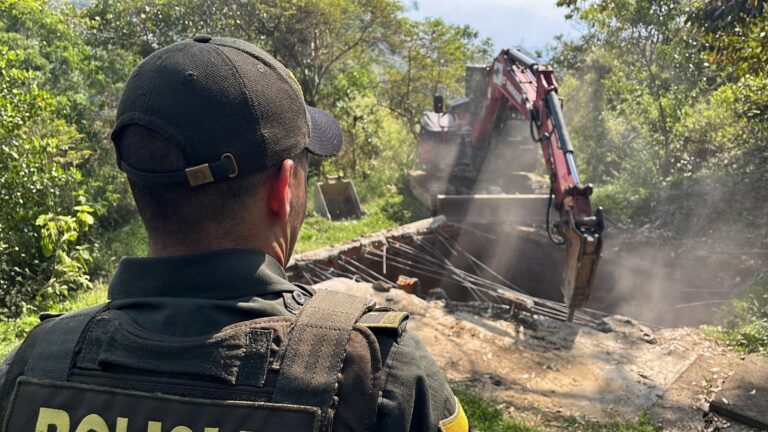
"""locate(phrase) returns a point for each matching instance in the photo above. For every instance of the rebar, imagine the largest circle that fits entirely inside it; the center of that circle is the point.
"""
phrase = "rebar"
(425, 259)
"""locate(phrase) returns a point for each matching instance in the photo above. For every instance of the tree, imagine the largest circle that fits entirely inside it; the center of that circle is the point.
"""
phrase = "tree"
(377, 145)
(650, 72)
(666, 99)
(47, 82)
(734, 35)
(430, 59)
(313, 38)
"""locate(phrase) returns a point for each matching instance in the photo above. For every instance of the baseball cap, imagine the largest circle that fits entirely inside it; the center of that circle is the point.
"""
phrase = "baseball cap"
(230, 107)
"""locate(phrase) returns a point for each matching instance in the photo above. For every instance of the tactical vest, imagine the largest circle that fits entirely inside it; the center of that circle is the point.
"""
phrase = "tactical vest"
(97, 370)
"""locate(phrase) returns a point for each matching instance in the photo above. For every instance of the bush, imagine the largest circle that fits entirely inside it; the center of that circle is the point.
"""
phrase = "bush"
(743, 322)
(378, 148)
(49, 156)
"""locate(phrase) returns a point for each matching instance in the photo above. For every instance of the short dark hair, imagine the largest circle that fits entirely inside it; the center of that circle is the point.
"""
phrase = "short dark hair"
(182, 209)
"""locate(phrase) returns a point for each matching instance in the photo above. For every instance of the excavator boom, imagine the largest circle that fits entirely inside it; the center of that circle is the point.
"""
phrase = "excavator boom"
(517, 86)
(519, 83)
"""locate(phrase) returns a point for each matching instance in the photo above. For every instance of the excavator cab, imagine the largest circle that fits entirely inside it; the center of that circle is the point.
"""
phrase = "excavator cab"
(443, 137)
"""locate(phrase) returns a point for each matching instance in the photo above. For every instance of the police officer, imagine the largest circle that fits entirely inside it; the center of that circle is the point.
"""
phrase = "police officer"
(206, 334)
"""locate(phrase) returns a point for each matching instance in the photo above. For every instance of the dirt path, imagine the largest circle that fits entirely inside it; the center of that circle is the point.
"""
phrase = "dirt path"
(553, 371)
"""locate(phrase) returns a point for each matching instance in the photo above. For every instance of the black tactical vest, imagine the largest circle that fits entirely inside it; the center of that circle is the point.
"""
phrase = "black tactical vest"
(97, 370)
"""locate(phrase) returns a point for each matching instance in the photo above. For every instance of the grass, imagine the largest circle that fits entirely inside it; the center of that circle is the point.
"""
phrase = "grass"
(13, 331)
(387, 211)
(487, 416)
(319, 231)
(643, 423)
(743, 322)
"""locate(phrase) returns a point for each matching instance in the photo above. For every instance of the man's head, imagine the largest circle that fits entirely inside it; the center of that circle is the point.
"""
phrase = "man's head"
(213, 134)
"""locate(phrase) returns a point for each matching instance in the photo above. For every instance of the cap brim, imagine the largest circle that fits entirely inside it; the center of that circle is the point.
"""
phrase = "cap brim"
(325, 137)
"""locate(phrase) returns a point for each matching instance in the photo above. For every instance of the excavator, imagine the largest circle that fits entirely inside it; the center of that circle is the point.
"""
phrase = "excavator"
(476, 147)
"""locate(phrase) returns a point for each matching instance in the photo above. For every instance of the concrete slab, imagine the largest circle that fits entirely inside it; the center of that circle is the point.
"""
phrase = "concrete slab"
(501, 208)
(681, 407)
(744, 397)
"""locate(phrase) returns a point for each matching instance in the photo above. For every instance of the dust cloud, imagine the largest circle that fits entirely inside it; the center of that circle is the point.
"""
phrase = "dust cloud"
(677, 271)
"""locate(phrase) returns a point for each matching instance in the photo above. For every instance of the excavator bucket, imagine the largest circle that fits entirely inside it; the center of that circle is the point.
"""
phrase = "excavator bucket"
(581, 258)
(336, 199)
(497, 208)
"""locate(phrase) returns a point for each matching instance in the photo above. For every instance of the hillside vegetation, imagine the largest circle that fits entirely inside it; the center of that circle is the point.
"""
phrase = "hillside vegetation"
(668, 103)
(65, 206)
(666, 100)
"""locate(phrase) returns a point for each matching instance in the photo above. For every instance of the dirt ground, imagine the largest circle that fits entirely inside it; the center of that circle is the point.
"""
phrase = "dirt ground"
(560, 374)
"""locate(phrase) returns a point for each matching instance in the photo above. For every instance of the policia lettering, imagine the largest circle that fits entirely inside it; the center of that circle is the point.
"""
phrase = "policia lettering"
(60, 420)
(76, 395)
(45, 406)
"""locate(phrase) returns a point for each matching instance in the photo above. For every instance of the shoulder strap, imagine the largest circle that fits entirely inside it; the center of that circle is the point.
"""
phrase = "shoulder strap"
(19, 362)
(316, 348)
(55, 337)
(52, 355)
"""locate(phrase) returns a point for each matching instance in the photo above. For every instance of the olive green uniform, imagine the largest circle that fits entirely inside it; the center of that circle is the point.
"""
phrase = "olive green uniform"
(197, 295)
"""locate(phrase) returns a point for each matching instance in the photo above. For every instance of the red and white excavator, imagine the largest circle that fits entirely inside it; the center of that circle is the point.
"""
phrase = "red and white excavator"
(475, 149)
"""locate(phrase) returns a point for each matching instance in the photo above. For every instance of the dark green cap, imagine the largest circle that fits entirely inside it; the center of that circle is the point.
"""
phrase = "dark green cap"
(230, 107)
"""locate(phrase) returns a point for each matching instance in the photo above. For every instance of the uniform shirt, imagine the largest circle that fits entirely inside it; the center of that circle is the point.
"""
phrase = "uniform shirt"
(197, 295)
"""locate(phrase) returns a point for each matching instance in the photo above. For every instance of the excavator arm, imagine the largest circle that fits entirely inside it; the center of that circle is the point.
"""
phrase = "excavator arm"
(518, 83)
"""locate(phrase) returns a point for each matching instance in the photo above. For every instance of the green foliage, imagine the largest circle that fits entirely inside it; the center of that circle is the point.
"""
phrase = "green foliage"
(59, 243)
(129, 239)
(636, 71)
(667, 103)
(386, 209)
(47, 75)
(377, 147)
(379, 103)
(660, 99)
(13, 331)
(743, 322)
(484, 416)
(620, 200)
(735, 34)
(430, 59)
(313, 38)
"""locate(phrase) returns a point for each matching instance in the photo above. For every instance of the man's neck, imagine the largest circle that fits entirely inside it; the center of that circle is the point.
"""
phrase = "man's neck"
(159, 248)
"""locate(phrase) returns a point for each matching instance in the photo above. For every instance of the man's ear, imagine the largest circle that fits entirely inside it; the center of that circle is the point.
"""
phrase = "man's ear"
(280, 191)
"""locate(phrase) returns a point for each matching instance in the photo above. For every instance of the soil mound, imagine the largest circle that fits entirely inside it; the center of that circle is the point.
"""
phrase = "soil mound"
(555, 370)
